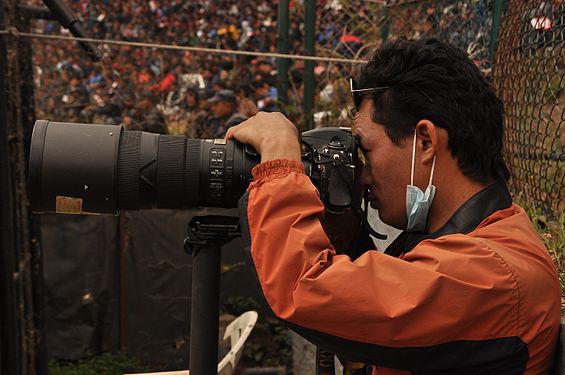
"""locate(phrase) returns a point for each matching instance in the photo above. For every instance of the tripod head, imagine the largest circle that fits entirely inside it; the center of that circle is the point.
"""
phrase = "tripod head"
(202, 229)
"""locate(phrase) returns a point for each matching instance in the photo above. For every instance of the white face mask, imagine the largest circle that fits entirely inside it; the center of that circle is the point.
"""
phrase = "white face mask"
(418, 203)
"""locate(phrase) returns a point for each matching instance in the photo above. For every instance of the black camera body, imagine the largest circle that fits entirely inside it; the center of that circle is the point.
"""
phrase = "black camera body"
(92, 168)
(331, 164)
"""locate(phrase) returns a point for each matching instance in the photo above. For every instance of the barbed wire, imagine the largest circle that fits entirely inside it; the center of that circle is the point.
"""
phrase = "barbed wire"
(16, 33)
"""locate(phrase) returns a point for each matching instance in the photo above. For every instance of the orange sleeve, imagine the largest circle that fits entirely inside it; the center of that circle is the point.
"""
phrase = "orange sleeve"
(378, 299)
(482, 302)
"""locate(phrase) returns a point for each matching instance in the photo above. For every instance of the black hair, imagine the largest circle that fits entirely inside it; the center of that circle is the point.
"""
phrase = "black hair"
(432, 80)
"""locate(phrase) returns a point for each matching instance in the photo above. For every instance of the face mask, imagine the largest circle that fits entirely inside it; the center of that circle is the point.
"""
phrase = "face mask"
(418, 203)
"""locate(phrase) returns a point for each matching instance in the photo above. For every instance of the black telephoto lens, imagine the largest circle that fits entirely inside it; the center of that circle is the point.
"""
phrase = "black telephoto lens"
(90, 168)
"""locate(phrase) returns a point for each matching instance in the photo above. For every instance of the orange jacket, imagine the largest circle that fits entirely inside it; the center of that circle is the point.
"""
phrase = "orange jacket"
(484, 302)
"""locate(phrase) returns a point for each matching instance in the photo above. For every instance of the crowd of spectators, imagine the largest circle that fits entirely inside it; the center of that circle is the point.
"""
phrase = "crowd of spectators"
(156, 89)
(467, 24)
(171, 91)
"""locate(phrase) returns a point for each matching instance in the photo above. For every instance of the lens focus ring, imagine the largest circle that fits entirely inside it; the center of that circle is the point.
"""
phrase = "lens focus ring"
(170, 164)
(128, 170)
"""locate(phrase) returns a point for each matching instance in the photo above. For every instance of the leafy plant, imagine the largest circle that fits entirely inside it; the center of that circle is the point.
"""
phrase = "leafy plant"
(552, 233)
(552, 91)
(105, 364)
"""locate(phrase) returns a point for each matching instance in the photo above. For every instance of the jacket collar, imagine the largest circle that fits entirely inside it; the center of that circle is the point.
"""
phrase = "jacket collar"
(492, 198)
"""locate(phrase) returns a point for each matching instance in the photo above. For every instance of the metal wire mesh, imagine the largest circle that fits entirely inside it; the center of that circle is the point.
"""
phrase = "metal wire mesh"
(354, 28)
(349, 29)
(528, 71)
(528, 74)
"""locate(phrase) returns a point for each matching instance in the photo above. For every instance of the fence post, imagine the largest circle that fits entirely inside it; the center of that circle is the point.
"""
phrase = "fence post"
(499, 7)
(282, 64)
(21, 314)
(309, 39)
(385, 26)
(9, 350)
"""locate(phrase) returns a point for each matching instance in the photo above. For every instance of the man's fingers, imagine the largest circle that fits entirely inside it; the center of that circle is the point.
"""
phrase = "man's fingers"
(271, 134)
(233, 132)
(229, 133)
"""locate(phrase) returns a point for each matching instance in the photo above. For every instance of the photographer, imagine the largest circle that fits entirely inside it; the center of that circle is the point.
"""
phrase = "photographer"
(468, 287)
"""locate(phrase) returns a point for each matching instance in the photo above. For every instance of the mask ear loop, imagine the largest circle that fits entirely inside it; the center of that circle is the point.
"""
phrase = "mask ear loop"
(413, 159)
(432, 172)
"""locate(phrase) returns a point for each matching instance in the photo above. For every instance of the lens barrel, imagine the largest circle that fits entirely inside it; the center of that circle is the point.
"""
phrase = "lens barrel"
(88, 168)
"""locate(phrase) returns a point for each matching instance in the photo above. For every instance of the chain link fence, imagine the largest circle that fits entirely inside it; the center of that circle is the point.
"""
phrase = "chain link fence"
(354, 28)
(529, 71)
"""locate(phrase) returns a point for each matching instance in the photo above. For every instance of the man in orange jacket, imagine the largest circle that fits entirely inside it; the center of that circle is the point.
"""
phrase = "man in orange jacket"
(468, 287)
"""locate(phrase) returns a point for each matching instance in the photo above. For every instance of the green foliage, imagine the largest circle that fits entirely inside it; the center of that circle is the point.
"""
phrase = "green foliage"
(552, 91)
(105, 364)
(552, 233)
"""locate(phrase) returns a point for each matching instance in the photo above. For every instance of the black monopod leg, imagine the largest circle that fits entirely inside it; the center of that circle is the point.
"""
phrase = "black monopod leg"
(206, 236)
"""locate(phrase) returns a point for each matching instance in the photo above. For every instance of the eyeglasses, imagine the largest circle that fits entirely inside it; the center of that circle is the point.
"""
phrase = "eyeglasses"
(358, 93)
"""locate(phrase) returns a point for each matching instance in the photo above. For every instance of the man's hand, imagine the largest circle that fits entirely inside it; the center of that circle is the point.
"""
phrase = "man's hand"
(271, 134)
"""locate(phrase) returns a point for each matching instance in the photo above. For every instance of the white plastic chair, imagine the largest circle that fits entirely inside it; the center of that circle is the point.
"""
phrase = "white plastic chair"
(238, 331)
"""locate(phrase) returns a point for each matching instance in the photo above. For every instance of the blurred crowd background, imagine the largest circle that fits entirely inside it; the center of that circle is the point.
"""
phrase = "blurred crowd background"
(160, 90)
(167, 91)
(200, 94)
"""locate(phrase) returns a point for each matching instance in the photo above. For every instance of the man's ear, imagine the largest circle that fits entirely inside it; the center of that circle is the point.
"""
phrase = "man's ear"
(428, 140)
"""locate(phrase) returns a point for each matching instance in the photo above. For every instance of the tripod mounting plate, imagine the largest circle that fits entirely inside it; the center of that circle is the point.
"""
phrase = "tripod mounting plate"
(218, 228)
